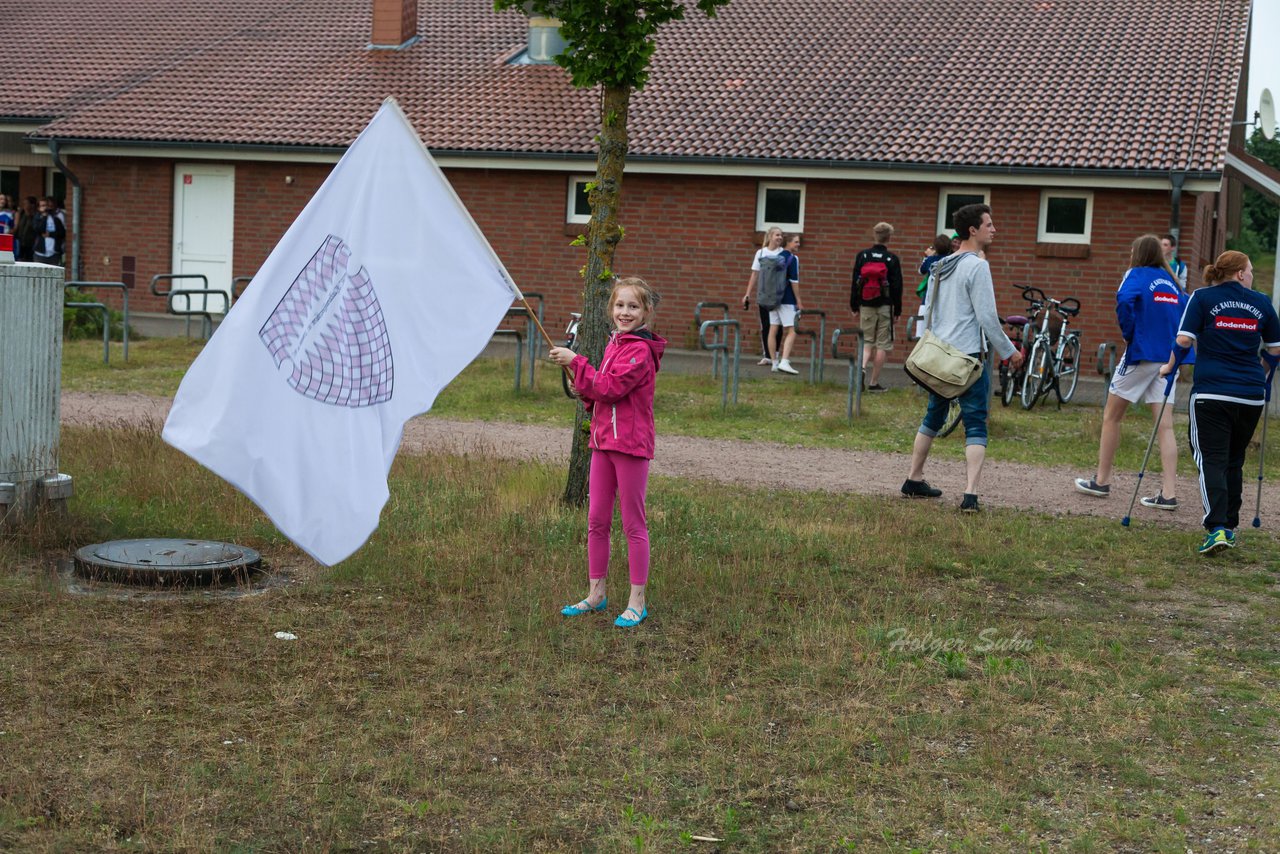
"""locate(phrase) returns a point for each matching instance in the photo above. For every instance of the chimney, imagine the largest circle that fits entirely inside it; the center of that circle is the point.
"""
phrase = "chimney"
(395, 24)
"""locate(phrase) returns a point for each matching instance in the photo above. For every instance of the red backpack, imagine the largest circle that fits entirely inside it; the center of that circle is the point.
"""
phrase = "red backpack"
(874, 280)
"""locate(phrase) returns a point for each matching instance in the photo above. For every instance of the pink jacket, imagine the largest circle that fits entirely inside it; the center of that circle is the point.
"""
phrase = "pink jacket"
(619, 396)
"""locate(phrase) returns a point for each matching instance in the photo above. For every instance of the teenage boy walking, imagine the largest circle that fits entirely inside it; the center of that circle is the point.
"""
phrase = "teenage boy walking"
(964, 299)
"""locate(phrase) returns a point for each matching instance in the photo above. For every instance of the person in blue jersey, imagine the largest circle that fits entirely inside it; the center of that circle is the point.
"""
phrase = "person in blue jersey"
(1149, 305)
(1227, 322)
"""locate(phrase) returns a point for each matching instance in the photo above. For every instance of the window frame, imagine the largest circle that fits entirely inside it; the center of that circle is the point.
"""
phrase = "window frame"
(571, 206)
(945, 227)
(762, 190)
(1043, 235)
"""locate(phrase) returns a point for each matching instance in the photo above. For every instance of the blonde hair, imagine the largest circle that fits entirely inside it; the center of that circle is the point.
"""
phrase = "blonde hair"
(645, 293)
(768, 235)
(883, 231)
(1225, 266)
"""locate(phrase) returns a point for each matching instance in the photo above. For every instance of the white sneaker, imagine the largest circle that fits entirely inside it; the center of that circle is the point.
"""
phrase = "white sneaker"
(785, 367)
(764, 361)
(775, 367)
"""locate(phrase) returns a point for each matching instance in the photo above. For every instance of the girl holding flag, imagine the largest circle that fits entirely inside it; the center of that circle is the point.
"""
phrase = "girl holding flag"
(619, 398)
(1227, 322)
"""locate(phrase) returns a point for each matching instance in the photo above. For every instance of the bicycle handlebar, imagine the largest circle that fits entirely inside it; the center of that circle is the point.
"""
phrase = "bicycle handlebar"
(1032, 294)
(1070, 306)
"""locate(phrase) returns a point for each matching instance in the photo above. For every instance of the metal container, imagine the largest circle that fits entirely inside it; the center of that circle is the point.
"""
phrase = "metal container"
(30, 386)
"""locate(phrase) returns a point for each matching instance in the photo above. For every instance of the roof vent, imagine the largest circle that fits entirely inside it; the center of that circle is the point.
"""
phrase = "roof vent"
(545, 41)
(395, 24)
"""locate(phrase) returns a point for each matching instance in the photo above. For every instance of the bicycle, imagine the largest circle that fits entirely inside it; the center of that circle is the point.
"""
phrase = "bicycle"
(1048, 366)
(1011, 379)
(570, 341)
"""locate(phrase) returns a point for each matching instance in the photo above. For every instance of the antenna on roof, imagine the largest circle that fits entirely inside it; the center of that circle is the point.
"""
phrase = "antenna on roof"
(1266, 115)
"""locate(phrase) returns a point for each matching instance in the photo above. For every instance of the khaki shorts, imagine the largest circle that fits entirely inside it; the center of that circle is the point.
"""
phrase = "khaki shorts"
(1141, 383)
(877, 326)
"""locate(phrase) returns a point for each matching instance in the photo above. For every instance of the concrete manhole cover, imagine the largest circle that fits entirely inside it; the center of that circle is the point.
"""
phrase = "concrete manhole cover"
(162, 562)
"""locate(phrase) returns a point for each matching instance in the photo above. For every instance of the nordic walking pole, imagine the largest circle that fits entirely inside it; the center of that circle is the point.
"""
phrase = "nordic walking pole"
(1262, 452)
(1168, 387)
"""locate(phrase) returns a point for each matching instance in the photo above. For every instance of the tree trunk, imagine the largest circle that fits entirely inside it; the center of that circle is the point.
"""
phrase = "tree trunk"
(602, 241)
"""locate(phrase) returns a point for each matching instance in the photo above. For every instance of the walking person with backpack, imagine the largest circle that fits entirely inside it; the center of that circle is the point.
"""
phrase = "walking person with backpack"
(876, 300)
(1227, 321)
(1149, 305)
(774, 272)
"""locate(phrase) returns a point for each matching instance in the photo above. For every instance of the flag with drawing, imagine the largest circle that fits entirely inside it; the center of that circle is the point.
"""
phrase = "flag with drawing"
(377, 296)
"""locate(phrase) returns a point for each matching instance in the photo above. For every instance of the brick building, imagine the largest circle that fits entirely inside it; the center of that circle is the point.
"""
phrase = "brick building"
(187, 135)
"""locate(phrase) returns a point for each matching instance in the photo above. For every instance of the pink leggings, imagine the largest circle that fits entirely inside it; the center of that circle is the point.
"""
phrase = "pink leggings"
(626, 477)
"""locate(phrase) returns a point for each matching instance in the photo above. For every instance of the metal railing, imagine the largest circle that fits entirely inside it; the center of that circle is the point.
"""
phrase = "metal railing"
(855, 367)
(530, 336)
(237, 282)
(719, 349)
(187, 294)
(817, 338)
(519, 336)
(1106, 359)
(106, 314)
(721, 331)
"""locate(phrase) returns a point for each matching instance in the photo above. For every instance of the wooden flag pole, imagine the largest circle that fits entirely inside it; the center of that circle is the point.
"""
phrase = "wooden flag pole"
(534, 317)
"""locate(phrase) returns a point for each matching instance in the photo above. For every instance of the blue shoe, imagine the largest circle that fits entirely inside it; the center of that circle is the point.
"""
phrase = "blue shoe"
(583, 608)
(1217, 540)
(624, 622)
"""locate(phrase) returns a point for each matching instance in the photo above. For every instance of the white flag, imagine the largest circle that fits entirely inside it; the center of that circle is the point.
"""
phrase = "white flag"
(377, 296)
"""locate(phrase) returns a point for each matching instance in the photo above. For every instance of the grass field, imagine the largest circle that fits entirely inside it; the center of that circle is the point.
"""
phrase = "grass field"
(852, 674)
(792, 412)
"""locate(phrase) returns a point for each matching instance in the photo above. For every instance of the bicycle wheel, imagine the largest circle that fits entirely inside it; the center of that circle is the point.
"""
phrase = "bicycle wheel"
(1069, 369)
(1037, 373)
(1014, 388)
(953, 418)
(1006, 380)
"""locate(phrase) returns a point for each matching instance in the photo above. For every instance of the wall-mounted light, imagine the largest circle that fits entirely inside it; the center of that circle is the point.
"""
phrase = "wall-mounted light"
(288, 179)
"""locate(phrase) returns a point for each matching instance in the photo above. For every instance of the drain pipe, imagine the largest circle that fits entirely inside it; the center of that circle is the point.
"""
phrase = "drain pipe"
(77, 197)
(1176, 180)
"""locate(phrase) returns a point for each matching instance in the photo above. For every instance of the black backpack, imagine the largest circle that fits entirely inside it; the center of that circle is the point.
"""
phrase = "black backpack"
(771, 284)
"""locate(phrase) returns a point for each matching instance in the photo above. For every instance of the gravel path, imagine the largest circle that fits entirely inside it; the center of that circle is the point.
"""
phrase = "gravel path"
(755, 464)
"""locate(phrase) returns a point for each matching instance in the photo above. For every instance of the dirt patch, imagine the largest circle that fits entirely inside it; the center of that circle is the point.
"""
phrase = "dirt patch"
(764, 465)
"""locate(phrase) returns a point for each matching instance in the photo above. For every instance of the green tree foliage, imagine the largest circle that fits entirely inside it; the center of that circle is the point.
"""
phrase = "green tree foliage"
(1259, 214)
(610, 45)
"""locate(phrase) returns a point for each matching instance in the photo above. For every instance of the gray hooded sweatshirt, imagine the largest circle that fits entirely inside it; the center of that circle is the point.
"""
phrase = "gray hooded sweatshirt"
(966, 309)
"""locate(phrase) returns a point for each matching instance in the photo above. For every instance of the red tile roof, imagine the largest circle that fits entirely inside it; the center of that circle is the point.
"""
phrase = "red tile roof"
(1060, 84)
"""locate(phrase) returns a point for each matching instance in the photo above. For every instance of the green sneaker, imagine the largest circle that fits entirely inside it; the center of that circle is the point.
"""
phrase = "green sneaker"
(1217, 540)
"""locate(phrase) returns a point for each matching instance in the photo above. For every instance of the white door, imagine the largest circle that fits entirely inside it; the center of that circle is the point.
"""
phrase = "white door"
(203, 224)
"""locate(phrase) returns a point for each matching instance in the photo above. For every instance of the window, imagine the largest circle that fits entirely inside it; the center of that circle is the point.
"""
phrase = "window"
(951, 199)
(579, 205)
(9, 184)
(781, 205)
(1065, 217)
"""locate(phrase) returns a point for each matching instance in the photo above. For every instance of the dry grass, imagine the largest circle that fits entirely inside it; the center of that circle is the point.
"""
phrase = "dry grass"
(799, 686)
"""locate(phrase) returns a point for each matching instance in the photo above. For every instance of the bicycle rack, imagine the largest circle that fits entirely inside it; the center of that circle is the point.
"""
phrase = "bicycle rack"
(817, 361)
(206, 317)
(106, 313)
(1106, 359)
(519, 336)
(531, 332)
(527, 337)
(237, 282)
(718, 347)
(855, 368)
(729, 326)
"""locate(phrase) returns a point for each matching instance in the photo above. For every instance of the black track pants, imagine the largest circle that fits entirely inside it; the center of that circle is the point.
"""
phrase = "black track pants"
(1220, 431)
